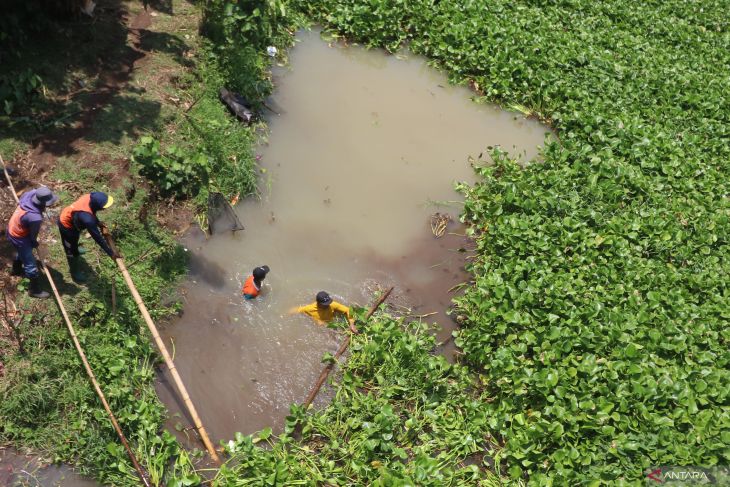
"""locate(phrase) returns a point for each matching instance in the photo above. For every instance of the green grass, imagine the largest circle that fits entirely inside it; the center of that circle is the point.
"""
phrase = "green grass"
(48, 403)
(595, 330)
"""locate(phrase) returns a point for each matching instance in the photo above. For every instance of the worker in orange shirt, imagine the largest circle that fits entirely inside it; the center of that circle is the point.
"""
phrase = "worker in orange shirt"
(79, 216)
(252, 285)
(23, 229)
(325, 309)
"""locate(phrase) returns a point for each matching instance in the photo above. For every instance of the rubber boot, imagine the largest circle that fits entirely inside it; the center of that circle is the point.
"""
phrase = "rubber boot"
(35, 290)
(17, 268)
(74, 263)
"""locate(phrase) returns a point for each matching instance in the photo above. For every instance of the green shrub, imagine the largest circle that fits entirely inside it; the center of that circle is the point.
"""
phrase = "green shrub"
(18, 90)
(240, 33)
(175, 170)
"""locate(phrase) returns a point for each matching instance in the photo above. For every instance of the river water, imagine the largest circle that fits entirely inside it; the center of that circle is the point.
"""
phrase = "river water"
(366, 147)
(18, 470)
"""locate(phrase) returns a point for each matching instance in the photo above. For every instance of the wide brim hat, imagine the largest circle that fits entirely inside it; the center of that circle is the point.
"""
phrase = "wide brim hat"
(44, 197)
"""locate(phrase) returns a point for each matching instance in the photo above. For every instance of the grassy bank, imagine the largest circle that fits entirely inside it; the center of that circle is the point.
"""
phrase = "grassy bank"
(595, 330)
(77, 119)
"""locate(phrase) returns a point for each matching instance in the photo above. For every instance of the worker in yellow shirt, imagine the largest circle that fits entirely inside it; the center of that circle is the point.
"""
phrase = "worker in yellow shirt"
(324, 309)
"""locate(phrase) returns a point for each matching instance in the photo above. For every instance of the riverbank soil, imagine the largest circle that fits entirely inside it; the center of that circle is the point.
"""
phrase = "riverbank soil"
(105, 81)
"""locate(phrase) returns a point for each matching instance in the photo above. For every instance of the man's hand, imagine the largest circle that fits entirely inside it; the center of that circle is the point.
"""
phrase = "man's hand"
(352, 326)
(115, 255)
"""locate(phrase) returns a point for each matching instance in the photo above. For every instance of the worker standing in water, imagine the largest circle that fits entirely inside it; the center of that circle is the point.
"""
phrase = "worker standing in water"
(252, 285)
(76, 217)
(325, 309)
(23, 229)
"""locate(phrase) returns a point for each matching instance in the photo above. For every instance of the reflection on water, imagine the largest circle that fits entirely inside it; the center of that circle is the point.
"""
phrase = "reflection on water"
(366, 148)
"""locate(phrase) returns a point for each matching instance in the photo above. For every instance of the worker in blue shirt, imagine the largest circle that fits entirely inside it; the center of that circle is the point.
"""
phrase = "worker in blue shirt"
(80, 215)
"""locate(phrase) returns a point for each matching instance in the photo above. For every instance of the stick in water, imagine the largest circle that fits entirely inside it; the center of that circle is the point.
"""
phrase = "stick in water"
(163, 349)
(328, 368)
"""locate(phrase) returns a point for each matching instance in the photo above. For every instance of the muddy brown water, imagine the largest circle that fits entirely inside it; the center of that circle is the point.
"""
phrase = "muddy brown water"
(366, 147)
(18, 470)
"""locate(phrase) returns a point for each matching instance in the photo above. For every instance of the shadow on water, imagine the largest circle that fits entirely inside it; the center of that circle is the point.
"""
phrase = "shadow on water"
(206, 270)
(368, 150)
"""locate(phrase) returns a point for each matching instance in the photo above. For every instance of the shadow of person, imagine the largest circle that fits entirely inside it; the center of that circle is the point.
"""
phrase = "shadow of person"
(164, 6)
(207, 270)
(67, 288)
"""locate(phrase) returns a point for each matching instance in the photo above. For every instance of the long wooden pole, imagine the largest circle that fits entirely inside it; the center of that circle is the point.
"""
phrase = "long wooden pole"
(163, 349)
(10, 183)
(328, 368)
(140, 472)
(90, 373)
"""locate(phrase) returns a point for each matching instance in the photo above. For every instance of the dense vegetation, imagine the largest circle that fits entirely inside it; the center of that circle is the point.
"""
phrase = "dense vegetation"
(598, 316)
(595, 332)
(400, 416)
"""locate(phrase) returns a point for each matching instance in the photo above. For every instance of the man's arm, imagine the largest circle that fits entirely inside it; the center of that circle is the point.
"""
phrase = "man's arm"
(341, 308)
(88, 221)
(34, 227)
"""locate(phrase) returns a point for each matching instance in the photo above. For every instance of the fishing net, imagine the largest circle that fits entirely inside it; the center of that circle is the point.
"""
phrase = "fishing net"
(221, 216)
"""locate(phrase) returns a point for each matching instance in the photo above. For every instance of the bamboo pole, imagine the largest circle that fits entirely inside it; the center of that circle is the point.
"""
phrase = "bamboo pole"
(328, 368)
(87, 366)
(90, 373)
(7, 177)
(163, 349)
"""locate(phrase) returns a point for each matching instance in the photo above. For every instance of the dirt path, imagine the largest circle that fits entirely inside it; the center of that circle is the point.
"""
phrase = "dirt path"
(34, 165)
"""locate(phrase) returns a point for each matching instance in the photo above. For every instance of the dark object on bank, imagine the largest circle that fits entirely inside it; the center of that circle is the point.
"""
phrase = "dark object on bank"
(237, 105)
(221, 215)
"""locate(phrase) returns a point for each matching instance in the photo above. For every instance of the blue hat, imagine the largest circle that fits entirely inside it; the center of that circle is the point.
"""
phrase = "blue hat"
(100, 200)
(44, 197)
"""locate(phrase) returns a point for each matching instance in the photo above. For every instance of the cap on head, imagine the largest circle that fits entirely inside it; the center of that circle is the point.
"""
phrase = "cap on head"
(100, 200)
(260, 272)
(44, 197)
(323, 299)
